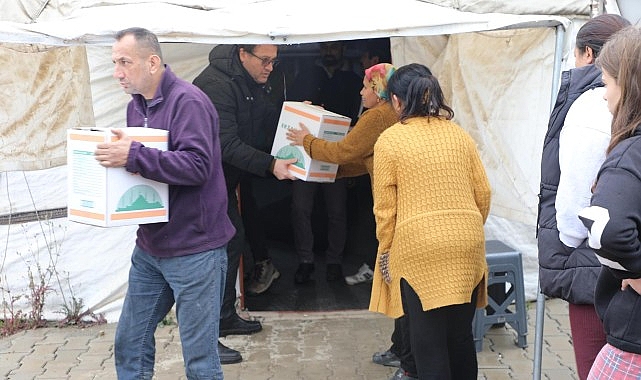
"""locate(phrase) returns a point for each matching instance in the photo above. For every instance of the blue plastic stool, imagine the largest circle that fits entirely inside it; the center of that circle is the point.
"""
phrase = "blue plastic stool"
(504, 267)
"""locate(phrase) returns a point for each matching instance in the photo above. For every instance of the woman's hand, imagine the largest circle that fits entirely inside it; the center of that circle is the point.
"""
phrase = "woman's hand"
(296, 136)
(634, 283)
(383, 264)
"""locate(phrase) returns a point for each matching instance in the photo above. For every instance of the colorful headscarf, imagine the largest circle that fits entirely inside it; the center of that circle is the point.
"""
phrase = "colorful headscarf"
(377, 77)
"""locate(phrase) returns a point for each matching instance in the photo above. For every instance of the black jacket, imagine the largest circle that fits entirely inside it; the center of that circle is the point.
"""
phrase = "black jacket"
(248, 119)
(564, 272)
(614, 221)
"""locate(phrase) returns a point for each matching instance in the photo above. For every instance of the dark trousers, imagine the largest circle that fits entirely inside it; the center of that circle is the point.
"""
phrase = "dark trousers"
(250, 233)
(335, 195)
(401, 346)
(441, 339)
(235, 249)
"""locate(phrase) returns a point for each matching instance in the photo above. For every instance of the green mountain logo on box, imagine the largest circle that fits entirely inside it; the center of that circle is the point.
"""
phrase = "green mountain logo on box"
(139, 197)
(288, 152)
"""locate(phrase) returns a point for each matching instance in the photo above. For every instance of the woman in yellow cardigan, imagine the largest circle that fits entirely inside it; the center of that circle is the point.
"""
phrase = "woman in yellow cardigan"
(431, 200)
(355, 152)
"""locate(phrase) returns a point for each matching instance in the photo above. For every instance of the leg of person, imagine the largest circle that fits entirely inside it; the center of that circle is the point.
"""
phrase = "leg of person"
(149, 298)
(428, 339)
(402, 345)
(390, 357)
(198, 283)
(463, 361)
(614, 363)
(335, 195)
(230, 322)
(365, 201)
(264, 273)
(302, 206)
(588, 336)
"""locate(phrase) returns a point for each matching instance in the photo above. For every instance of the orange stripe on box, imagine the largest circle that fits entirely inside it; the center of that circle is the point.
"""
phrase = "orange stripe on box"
(296, 169)
(144, 139)
(322, 175)
(302, 113)
(342, 122)
(91, 138)
(139, 214)
(87, 214)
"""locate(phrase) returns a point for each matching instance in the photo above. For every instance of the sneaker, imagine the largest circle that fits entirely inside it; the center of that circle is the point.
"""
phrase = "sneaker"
(386, 358)
(264, 275)
(364, 274)
(400, 374)
(303, 273)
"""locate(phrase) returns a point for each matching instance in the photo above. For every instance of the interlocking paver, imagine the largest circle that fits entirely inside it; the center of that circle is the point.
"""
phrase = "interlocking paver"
(301, 346)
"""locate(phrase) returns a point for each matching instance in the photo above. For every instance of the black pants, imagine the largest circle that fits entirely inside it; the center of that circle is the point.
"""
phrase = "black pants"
(235, 249)
(401, 346)
(441, 339)
(335, 194)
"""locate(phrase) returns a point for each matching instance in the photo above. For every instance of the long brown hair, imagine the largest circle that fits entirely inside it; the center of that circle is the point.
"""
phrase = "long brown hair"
(621, 58)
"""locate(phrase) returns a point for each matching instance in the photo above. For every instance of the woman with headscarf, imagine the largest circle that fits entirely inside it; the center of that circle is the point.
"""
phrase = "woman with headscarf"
(355, 152)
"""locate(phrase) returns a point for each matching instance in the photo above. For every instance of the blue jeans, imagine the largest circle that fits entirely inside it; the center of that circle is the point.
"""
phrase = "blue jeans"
(196, 284)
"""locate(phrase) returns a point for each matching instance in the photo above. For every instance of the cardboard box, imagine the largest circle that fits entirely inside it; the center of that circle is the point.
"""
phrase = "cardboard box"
(112, 196)
(321, 123)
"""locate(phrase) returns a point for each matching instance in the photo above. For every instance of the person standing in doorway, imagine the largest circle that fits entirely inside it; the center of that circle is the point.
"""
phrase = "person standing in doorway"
(235, 81)
(333, 85)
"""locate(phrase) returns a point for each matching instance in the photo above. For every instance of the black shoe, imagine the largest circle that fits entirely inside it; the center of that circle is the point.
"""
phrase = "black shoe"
(228, 355)
(303, 273)
(235, 325)
(335, 273)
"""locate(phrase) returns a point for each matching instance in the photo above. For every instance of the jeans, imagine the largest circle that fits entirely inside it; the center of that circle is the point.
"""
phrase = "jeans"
(195, 283)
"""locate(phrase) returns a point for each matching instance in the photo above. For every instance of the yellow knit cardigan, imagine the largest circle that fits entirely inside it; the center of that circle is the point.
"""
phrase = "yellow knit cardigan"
(354, 152)
(431, 200)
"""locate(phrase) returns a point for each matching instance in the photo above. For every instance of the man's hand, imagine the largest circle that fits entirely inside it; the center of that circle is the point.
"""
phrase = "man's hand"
(114, 154)
(280, 168)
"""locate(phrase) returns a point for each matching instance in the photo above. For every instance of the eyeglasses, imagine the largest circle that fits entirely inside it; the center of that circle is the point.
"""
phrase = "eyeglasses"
(265, 61)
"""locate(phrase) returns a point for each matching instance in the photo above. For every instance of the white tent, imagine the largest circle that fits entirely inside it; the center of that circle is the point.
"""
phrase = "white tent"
(497, 70)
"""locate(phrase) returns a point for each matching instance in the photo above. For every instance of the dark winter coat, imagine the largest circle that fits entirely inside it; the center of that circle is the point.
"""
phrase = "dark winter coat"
(248, 119)
(564, 272)
(614, 221)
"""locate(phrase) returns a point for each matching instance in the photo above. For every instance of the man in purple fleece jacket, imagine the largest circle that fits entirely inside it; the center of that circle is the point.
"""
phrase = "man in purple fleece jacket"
(183, 260)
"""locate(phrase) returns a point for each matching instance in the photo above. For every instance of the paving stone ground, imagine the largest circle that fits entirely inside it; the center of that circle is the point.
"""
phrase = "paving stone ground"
(293, 345)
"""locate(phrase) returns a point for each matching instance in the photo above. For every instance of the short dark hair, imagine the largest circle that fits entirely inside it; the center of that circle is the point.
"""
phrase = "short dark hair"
(247, 47)
(144, 38)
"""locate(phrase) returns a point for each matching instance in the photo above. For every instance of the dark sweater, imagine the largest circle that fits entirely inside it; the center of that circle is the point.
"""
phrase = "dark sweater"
(614, 222)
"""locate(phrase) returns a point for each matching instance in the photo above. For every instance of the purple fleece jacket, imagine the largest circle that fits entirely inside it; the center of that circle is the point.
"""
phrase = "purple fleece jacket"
(192, 167)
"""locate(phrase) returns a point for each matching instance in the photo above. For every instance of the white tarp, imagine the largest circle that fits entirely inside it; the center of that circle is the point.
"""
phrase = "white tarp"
(498, 82)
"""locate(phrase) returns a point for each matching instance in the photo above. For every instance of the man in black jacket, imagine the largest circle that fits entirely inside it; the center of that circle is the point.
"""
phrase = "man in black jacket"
(235, 81)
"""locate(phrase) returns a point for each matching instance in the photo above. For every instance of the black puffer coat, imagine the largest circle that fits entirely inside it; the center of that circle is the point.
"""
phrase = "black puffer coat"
(566, 273)
(248, 120)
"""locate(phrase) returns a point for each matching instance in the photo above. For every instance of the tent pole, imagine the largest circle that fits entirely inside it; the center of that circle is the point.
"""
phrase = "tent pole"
(540, 299)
